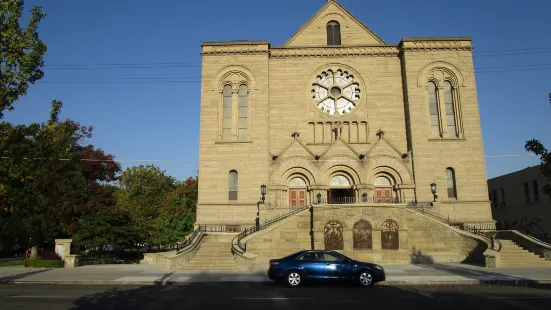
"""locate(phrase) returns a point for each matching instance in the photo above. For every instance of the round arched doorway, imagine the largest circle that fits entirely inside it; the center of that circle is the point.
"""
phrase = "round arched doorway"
(383, 189)
(340, 190)
(297, 192)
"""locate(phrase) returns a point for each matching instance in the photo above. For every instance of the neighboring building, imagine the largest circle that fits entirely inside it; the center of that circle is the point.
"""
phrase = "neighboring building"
(518, 200)
(339, 116)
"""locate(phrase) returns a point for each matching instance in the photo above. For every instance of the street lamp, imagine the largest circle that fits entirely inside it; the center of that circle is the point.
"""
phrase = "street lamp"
(433, 190)
(318, 196)
(262, 199)
(364, 197)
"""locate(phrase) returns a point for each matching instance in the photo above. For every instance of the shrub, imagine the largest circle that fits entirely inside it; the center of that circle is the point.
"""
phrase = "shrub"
(42, 263)
(13, 263)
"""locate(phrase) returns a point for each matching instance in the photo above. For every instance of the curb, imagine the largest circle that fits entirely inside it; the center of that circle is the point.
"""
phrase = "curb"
(386, 283)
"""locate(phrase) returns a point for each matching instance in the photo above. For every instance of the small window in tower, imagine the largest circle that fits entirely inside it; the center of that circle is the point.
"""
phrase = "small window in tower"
(333, 33)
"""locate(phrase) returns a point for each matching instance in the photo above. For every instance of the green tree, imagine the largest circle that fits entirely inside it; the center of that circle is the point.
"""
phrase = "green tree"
(49, 179)
(106, 227)
(177, 215)
(142, 191)
(21, 52)
(536, 147)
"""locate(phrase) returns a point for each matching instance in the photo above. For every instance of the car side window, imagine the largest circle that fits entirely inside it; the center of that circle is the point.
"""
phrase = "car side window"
(331, 258)
(308, 257)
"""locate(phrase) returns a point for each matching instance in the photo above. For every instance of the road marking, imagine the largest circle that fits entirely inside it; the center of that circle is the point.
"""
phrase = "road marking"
(36, 296)
(271, 298)
(425, 294)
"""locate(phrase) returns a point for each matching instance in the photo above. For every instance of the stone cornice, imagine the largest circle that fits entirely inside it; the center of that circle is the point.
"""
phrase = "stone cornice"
(429, 44)
(343, 51)
(236, 48)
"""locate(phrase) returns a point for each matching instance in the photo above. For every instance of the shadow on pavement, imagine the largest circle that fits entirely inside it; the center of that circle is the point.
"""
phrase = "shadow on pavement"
(485, 277)
(266, 296)
(11, 279)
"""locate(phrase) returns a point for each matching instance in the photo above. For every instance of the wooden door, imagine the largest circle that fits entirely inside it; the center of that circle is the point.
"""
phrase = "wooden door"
(297, 197)
(383, 195)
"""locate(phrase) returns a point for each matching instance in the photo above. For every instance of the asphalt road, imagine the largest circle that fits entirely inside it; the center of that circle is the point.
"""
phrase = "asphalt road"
(265, 296)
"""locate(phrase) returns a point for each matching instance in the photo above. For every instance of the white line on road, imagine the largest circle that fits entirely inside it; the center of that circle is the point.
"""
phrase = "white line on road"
(271, 298)
(36, 296)
(425, 294)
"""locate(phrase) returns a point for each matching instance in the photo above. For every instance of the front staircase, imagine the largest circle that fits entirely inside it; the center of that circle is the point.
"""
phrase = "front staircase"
(512, 255)
(214, 253)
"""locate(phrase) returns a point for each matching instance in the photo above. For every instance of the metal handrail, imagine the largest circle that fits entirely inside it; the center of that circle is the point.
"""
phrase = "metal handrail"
(239, 247)
(354, 200)
(494, 243)
(193, 240)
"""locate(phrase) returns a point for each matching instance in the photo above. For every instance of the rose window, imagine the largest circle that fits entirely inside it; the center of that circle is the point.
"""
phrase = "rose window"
(335, 92)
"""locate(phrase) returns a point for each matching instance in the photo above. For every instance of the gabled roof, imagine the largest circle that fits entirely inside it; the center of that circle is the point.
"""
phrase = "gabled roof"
(351, 17)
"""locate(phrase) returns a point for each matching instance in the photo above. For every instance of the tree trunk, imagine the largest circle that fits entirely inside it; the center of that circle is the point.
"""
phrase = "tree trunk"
(34, 252)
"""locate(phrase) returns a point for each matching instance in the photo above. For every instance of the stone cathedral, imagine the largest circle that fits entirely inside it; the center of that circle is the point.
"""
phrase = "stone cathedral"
(354, 127)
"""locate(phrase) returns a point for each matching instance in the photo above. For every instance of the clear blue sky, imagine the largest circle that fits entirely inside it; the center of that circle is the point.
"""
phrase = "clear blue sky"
(155, 119)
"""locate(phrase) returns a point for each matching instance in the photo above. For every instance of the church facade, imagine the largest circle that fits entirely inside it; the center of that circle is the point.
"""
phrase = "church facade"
(339, 117)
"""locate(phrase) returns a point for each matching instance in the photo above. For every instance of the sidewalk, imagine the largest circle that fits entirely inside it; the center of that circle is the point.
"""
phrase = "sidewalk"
(157, 275)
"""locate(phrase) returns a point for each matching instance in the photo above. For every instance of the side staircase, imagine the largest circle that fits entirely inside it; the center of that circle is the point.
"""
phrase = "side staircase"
(513, 255)
(213, 253)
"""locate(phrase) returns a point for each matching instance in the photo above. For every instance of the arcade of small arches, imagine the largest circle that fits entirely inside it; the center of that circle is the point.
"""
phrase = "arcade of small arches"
(362, 235)
(341, 185)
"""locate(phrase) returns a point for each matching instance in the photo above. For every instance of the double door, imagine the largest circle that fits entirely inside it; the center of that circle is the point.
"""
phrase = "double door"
(383, 195)
(297, 197)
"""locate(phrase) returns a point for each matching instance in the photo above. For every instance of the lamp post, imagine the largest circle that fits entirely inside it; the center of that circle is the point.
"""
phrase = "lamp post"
(433, 190)
(364, 197)
(262, 199)
(318, 196)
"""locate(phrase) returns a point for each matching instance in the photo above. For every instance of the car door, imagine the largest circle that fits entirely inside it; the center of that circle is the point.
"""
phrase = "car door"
(312, 266)
(336, 266)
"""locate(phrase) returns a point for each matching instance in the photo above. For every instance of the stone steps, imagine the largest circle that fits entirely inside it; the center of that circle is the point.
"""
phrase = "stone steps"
(512, 255)
(214, 253)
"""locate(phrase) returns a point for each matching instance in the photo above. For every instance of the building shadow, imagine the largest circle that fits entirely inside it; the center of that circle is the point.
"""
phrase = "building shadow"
(274, 296)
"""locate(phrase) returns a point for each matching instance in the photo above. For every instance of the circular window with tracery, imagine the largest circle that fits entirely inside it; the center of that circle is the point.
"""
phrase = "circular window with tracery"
(335, 92)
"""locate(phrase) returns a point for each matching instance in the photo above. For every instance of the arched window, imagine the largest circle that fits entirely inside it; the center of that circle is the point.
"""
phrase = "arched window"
(227, 113)
(243, 113)
(362, 235)
(450, 108)
(433, 105)
(297, 182)
(233, 185)
(450, 182)
(389, 235)
(333, 236)
(333, 33)
(382, 181)
(340, 181)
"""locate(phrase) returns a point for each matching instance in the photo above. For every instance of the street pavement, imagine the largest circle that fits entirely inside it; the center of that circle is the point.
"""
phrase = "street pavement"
(266, 296)
(156, 274)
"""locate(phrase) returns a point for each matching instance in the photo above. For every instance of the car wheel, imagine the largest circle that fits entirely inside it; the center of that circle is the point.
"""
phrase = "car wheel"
(365, 278)
(294, 278)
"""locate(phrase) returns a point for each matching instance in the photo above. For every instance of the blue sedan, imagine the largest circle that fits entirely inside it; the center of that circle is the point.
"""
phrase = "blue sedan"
(323, 265)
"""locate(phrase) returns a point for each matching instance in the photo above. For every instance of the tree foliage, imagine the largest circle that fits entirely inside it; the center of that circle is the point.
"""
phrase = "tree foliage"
(106, 227)
(47, 180)
(21, 52)
(536, 147)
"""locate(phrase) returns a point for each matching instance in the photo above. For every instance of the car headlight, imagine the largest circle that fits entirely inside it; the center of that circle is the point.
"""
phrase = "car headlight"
(379, 267)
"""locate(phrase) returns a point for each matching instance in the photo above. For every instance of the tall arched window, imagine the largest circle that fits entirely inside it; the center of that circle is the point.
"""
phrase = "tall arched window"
(450, 108)
(333, 33)
(233, 185)
(433, 105)
(450, 182)
(227, 113)
(243, 113)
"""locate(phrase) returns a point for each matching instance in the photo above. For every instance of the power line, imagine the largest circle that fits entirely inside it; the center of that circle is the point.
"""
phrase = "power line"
(249, 159)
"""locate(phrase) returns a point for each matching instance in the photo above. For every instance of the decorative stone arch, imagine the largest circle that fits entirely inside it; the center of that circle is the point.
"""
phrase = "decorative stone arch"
(390, 165)
(343, 21)
(352, 175)
(324, 220)
(287, 167)
(362, 235)
(241, 76)
(333, 235)
(454, 75)
(300, 173)
(390, 237)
